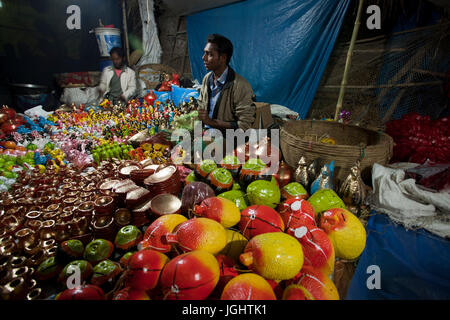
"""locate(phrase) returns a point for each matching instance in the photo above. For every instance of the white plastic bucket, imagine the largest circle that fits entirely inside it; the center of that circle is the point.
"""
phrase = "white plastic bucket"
(107, 38)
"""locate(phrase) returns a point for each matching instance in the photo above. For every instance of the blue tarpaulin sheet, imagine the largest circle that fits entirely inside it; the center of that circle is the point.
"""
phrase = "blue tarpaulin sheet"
(280, 46)
(414, 264)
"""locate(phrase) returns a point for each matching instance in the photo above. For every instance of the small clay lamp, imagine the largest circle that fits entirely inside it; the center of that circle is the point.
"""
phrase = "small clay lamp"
(25, 237)
(16, 289)
(104, 205)
(47, 229)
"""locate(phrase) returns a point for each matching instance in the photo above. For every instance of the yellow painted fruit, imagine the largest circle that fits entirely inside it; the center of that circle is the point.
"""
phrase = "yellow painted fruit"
(199, 234)
(248, 286)
(274, 255)
(221, 210)
(236, 243)
(346, 232)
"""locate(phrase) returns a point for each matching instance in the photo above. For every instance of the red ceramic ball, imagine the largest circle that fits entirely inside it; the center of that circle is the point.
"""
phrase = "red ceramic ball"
(85, 292)
(144, 269)
(258, 219)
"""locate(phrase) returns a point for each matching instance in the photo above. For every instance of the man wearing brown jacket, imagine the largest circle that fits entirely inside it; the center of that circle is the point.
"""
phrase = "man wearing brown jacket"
(226, 98)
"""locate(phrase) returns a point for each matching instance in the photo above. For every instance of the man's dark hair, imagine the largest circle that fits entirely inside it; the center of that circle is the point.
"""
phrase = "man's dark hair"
(118, 51)
(223, 45)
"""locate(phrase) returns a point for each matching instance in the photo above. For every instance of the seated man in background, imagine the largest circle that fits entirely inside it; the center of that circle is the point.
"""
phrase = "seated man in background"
(226, 98)
(118, 82)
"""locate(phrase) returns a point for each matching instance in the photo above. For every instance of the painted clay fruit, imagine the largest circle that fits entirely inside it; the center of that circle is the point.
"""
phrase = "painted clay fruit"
(85, 292)
(276, 287)
(128, 237)
(275, 255)
(237, 196)
(70, 250)
(204, 168)
(294, 190)
(48, 269)
(228, 271)
(236, 243)
(145, 269)
(325, 199)
(258, 219)
(129, 293)
(315, 285)
(293, 292)
(297, 213)
(232, 164)
(125, 259)
(262, 192)
(220, 180)
(98, 250)
(345, 231)
(190, 276)
(84, 266)
(221, 210)
(105, 271)
(248, 286)
(155, 234)
(317, 248)
(199, 234)
(194, 194)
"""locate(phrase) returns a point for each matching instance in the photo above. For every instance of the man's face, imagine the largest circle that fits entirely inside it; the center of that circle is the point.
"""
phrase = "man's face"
(117, 60)
(212, 59)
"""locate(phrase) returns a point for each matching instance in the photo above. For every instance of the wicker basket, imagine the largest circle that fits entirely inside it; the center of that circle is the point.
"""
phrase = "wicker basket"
(302, 138)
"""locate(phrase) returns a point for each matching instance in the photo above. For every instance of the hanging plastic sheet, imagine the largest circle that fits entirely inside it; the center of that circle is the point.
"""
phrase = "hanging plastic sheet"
(413, 264)
(280, 46)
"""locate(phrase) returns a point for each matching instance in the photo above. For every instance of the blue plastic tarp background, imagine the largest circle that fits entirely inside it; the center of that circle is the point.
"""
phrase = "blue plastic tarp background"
(414, 264)
(280, 46)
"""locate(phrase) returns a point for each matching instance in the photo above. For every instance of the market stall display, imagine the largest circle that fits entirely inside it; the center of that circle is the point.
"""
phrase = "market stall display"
(94, 188)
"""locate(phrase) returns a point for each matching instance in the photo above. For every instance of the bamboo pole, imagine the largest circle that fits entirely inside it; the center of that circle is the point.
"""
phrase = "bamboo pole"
(125, 30)
(386, 86)
(349, 60)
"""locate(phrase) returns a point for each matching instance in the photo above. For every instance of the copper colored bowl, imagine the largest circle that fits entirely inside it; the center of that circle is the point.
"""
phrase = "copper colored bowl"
(46, 244)
(9, 249)
(25, 237)
(17, 262)
(12, 223)
(47, 230)
(165, 204)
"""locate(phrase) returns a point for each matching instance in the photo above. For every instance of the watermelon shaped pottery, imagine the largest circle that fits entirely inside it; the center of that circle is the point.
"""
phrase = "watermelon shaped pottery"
(204, 168)
(220, 180)
(294, 190)
(105, 271)
(237, 196)
(84, 266)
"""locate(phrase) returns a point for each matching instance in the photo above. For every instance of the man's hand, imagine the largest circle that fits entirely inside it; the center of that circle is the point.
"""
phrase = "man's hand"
(122, 97)
(203, 116)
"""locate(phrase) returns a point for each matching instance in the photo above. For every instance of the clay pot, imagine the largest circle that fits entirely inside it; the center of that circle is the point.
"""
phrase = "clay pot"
(16, 210)
(26, 237)
(5, 239)
(47, 244)
(33, 248)
(34, 225)
(50, 252)
(78, 226)
(24, 202)
(44, 201)
(66, 216)
(105, 231)
(36, 259)
(34, 294)
(4, 263)
(9, 249)
(17, 262)
(21, 272)
(12, 223)
(122, 217)
(47, 230)
(69, 201)
(33, 215)
(16, 289)
(62, 232)
(104, 205)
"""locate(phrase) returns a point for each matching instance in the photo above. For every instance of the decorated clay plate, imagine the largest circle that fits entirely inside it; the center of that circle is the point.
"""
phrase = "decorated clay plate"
(165, 204)
(161, 176)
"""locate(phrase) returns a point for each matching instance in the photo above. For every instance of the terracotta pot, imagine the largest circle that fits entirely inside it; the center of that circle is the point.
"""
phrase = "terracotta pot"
(104, 205)
(36, 259)
(16, 210)
(33, 215)
(54, 207)
(35, 294)
(24, 202)
(6, 238)
(62, 232)
(47, 230)
(16, 289)
(17, 262)
(58, 198)
(122, 217)
(34, 225)
(66, 216)
(12, 223)
(49, 243)
(9, 249)
(4, 263)
(50, 252)
(5, 275)
(22, 272)
(78, 226)
(33, 248)
(26, 237)
(69, 201)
